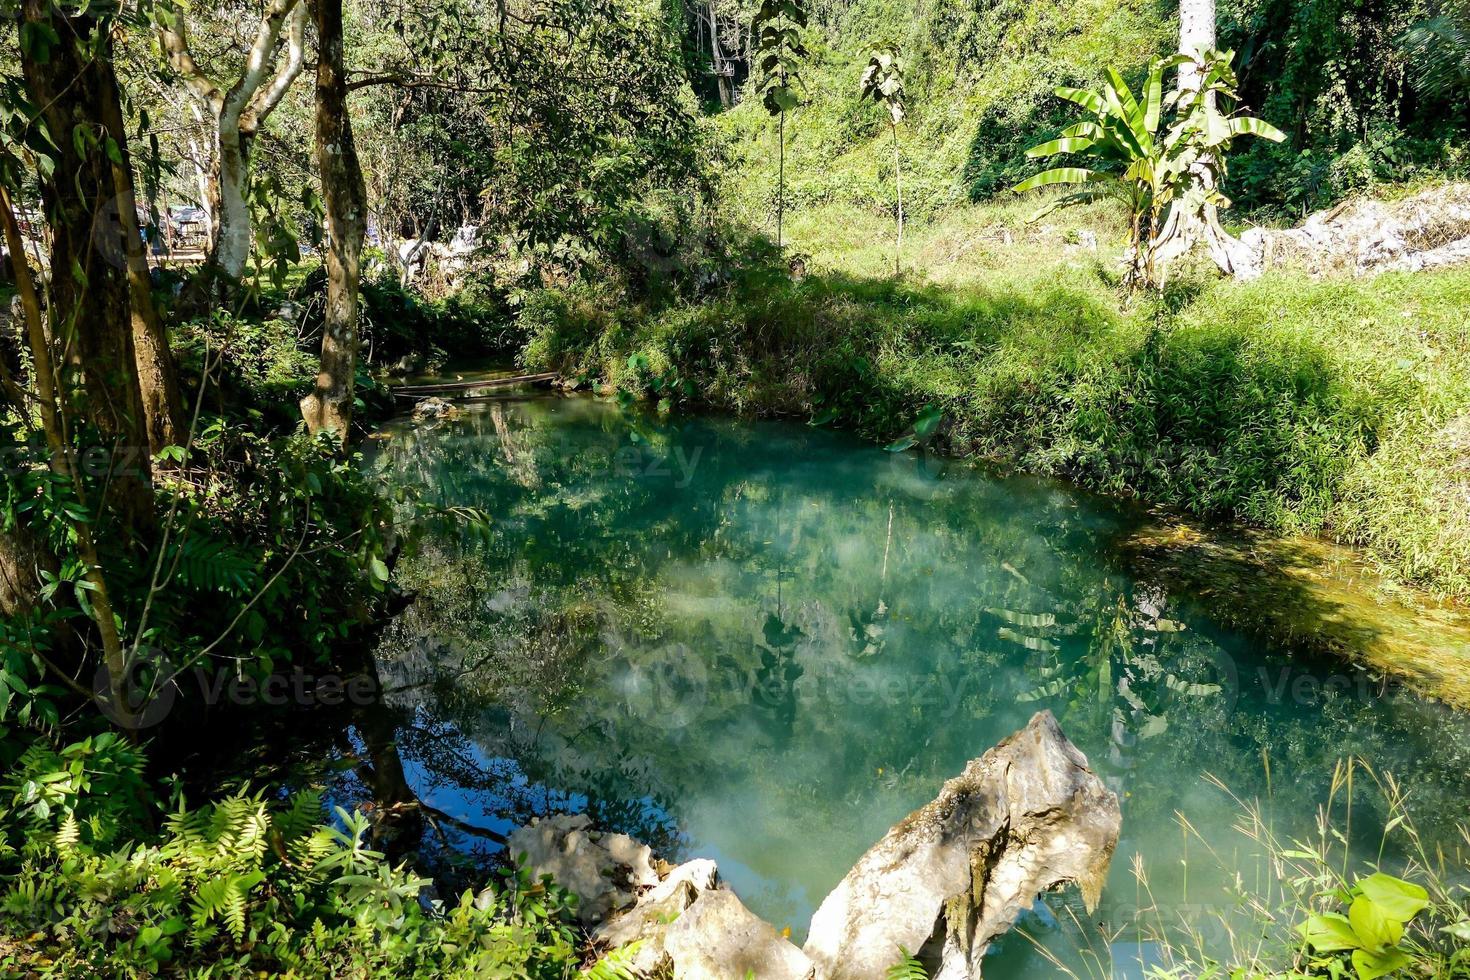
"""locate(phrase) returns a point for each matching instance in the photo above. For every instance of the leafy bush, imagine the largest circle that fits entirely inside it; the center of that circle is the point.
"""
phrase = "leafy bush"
(242, 885)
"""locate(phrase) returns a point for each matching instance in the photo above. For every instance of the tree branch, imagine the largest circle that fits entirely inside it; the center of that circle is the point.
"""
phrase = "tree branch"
(259, 59)
(176, 47)
(268, 98)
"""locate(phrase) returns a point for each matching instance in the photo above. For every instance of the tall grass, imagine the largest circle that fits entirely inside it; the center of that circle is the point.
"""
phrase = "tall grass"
(1255, 932)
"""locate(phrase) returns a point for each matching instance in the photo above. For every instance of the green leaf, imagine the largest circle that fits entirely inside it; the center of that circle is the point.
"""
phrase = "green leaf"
(1329, 933)
(1242, 125)
(1395, 898)
(824, 417)
(1057, 175)
(379, 570)
(1375, 929)
(899, 445)
(928, 421)
(1086, 99)
(1371, 966)
(1066, 144)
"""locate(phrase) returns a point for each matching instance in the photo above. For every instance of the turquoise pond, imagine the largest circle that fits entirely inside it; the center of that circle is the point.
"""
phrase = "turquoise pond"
(766, 643)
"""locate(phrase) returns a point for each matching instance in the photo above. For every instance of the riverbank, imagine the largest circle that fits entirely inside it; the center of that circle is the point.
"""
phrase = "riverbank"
(1333, 407)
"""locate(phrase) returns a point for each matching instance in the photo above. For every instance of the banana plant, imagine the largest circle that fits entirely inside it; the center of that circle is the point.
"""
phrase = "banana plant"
(777, 29)
(882, 81)
(1159, 172)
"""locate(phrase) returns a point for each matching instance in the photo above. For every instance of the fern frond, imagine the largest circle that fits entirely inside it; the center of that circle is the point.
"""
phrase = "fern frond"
(907, 968)
(616, 965)
(211, 565)
(301, 816)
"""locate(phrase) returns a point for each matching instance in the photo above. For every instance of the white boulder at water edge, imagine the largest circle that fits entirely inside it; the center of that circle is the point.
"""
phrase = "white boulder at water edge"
(1027, 817)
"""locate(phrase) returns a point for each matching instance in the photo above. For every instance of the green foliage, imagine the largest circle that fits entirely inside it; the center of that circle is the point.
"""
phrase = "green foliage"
(882, 81)
(1439, 49)
(779, 50)
(616, 965)
(908, 967)
(1303, 916)
(543, 124)
(244, 885)
(1333, 73)
(1379, 907)
(1295, 405)
(1153, 171)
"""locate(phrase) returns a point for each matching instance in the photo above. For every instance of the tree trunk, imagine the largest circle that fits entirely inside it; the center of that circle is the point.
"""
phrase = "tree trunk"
(1194, 220)
(158, 382)
(329, 407)
(1196, 34)
(231, 218)
(90, 301)
(780, 176)
(724, 84)
(239, 110)
(898, 188)
(21, 562)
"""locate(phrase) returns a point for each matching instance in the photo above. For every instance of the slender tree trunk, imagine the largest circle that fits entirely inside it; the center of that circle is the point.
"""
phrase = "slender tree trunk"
(231, 219)
(780, 176)
(239, 110)
(724, 83)
(898, 186)
(90, 301)
(1187, 225)
(158, 383)
(329, 406)
(21, 550)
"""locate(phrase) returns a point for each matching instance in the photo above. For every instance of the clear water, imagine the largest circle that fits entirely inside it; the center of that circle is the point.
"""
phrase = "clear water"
(766, 643)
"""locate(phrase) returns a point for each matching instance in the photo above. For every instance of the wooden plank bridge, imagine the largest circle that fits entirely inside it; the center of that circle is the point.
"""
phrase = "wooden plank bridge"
(456, 388)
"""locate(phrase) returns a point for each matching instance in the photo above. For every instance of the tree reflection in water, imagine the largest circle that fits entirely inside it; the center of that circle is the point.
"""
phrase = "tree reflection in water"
(771, 654)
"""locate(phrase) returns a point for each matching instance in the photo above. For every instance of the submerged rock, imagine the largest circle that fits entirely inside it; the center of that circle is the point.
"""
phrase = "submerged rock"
(1025, 818)
(433, 409)
(604, 871)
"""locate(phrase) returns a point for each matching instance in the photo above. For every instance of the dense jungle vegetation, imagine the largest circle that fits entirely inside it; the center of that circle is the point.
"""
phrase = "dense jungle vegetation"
(229, 224)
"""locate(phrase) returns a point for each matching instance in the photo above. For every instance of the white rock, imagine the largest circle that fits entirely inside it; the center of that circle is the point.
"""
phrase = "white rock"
(1026, 817)
(604, 871)
(718, 938)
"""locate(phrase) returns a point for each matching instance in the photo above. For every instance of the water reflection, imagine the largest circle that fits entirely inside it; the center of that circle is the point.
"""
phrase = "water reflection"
(764, 644)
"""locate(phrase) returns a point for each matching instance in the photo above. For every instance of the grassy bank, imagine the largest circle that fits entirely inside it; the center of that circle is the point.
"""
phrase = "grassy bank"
(1337, 406)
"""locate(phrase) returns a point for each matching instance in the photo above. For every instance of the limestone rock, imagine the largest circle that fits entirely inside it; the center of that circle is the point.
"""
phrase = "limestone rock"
(718, 938)
(659, 908)
(692, 928)
(1026, 817)
(433, 409)
(604, 871)
(1364, 236)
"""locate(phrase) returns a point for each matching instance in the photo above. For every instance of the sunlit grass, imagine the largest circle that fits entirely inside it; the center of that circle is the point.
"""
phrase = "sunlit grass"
(1253, 930)
(1331, 406)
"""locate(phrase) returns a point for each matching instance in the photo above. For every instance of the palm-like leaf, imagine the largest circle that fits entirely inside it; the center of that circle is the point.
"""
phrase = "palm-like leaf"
(1440, 51)
(1057, 175)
